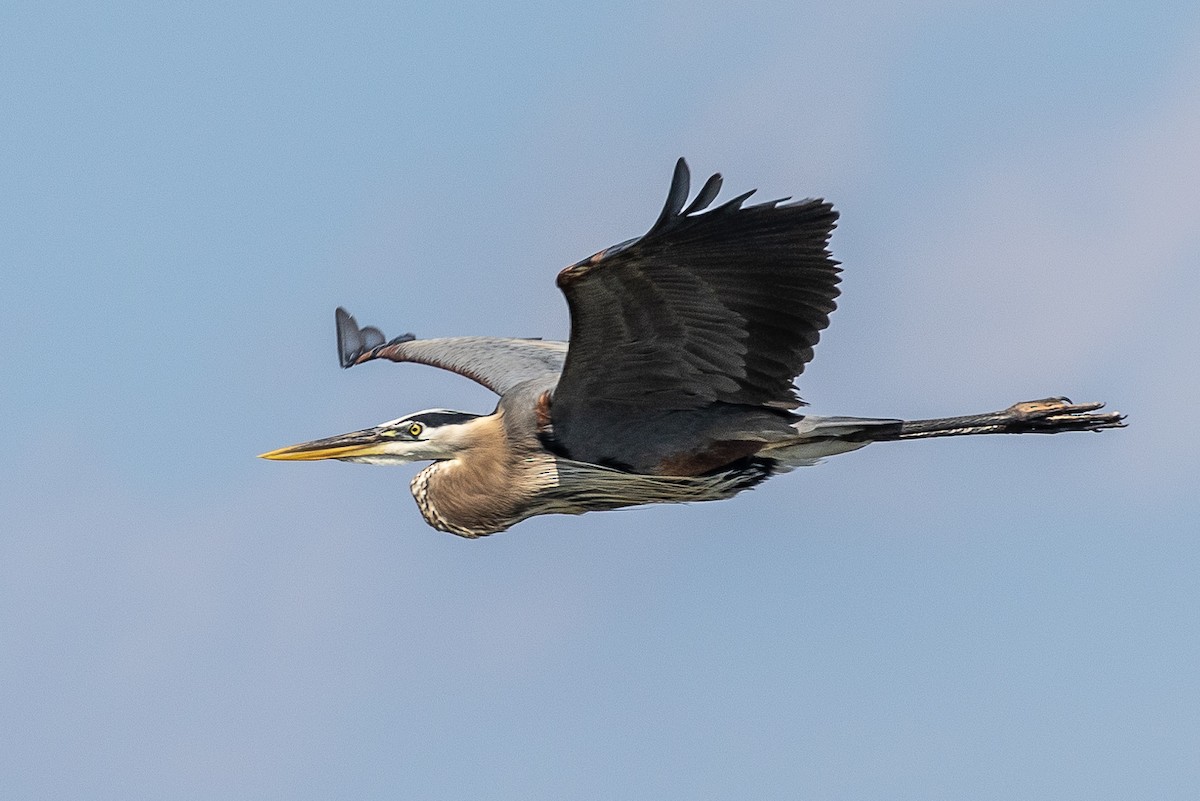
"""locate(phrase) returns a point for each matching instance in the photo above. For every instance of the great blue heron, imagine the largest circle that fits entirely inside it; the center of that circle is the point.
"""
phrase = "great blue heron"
(675, 386)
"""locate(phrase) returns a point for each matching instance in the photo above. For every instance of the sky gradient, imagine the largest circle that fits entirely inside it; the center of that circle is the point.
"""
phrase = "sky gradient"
(187, 193)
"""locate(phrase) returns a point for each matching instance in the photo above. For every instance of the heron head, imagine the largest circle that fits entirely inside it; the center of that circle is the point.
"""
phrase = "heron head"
(431, 434)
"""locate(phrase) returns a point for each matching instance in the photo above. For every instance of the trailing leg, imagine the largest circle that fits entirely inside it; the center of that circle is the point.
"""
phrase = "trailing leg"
(1046, 416)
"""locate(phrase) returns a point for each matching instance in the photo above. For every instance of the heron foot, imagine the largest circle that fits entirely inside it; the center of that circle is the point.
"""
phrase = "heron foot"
(1058, 413)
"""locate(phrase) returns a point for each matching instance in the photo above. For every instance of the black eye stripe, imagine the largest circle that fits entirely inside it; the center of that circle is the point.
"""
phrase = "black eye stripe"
(436, 419)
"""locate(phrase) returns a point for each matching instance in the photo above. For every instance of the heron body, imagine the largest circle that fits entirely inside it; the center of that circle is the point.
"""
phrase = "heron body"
(675, 386)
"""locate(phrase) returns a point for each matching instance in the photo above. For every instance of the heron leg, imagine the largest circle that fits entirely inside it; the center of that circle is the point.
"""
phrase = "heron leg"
(1045, 416)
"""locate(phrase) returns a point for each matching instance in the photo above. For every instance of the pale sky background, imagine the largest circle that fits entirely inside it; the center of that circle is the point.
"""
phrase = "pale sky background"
(186, 193)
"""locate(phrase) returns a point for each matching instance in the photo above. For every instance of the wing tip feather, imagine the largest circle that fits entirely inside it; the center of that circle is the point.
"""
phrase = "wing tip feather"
(681, 185)
(358, 344)
(349, 337)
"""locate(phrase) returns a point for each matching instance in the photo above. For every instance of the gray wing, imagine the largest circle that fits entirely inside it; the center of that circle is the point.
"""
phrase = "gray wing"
(720, 308)
(497, 363)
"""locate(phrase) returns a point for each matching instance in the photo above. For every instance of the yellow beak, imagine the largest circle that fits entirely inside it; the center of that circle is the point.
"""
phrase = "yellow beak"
(344, 446)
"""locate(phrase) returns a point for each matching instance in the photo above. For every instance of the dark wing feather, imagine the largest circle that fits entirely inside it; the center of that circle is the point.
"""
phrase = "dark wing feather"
(715, 308)
(496, 362)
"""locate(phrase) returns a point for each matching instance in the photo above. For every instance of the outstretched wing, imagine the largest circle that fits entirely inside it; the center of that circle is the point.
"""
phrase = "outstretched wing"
(717, 307)
(497, 363)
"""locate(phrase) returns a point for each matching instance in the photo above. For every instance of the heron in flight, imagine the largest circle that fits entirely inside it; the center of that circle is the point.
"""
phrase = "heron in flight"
(675, 385)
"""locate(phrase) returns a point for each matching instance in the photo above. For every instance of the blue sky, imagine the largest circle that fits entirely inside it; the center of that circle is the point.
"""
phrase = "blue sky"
(187, 195)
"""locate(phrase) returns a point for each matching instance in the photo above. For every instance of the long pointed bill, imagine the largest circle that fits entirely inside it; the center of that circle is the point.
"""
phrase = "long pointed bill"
(356, 444)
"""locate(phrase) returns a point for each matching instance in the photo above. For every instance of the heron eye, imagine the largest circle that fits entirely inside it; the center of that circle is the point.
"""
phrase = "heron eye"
(415, 430)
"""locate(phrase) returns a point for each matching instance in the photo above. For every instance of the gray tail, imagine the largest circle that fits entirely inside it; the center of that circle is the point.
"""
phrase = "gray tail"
(819, 437)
